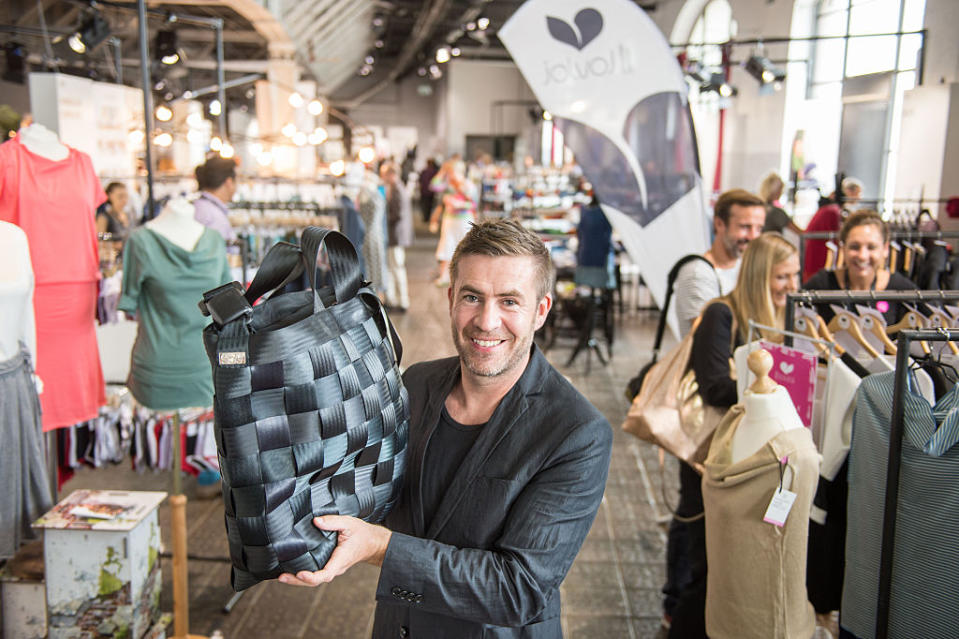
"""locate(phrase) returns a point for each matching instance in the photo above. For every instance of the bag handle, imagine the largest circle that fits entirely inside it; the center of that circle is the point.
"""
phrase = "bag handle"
(282, 264)
(285, 262)
(344, 264)
(670, 281)
(383, 320)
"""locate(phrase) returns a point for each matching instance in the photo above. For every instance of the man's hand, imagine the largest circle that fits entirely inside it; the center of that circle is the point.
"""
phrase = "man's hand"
(357, 541)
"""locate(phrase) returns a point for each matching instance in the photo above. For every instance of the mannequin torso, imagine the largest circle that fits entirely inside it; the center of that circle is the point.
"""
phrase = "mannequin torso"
(177, 223)
(768, 407)
(42, 141)
(16, 293)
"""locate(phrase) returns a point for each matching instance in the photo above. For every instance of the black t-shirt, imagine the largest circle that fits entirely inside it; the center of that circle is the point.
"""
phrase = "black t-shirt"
(444, 455)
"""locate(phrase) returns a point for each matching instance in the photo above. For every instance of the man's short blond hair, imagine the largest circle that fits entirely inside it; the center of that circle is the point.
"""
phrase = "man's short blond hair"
(506, 238)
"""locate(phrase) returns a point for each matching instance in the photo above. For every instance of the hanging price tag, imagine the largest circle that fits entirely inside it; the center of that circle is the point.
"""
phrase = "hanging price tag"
(779, 507)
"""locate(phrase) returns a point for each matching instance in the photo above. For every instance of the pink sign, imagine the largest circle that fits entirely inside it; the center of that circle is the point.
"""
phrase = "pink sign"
(796, 371)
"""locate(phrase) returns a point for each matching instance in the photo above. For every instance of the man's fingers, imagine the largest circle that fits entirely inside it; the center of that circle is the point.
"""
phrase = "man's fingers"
(332, 522)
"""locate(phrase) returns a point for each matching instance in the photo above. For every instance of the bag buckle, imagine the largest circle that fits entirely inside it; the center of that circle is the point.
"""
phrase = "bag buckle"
(226, 303)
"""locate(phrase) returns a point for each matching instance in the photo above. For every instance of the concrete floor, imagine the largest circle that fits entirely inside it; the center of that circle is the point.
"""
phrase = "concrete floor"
(612, 590)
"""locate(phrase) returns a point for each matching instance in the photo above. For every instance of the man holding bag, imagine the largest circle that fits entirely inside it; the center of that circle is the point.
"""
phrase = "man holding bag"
(507, 465)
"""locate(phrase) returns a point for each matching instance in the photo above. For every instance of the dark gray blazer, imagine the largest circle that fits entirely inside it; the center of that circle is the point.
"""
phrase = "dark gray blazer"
(516, 513)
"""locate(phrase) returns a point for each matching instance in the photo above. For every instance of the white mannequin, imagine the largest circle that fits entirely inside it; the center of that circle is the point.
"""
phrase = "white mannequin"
(768, 410)
(177, 223)
(42, 141)
(16, 293)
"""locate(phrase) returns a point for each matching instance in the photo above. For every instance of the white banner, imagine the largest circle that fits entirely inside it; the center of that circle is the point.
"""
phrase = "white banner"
(614, 88)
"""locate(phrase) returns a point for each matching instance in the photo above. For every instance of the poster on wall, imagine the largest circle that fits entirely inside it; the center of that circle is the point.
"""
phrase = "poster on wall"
(608, 77)
(93, 117)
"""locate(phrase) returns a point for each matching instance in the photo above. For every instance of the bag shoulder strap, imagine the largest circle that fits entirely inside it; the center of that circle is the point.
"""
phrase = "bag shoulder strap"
(670, 282)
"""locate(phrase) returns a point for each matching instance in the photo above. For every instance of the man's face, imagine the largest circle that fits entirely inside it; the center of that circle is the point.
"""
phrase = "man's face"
(745, 224)
(231, 188)
(495, 309)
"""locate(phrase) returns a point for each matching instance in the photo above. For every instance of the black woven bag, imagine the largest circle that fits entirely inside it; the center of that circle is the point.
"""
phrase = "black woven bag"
(311, 413)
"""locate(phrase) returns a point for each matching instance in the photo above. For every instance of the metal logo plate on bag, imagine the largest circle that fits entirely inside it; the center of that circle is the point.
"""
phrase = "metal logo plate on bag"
(237, 358)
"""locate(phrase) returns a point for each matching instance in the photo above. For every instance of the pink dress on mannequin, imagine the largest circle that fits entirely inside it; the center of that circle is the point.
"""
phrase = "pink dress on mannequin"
(54, 202)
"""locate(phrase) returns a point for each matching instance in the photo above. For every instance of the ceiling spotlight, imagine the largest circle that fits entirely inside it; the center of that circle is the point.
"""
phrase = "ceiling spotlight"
(164, 113)
(136, 136)
(216, 144)
(378, 44)
(421, 71)
(163, 139)
(187, 95)
(435, 72)
(366, 69)
(264, 158)
(250, 93)
(337, 167)
(367, 154)
(227, 151)
(76, 43)
(369, 59)
(215, 107)
(289, 129)
(315, 107)
(194, 119)
(482, 24)
(471, 26)
(377, 21)
(443, 55)
(299, 138)
(319, 134)
(763, 69)
(717, 82)
(547, 116)
(455, 52)
(194, 137)
(91, 33)
(296, 100)
(165, 49)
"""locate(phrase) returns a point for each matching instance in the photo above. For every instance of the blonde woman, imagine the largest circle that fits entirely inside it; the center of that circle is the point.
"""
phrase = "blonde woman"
(769, 272)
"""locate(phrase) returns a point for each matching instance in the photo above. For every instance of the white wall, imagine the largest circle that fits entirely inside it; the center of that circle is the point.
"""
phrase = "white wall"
(474, 87)
(402, 105)
(942, 45)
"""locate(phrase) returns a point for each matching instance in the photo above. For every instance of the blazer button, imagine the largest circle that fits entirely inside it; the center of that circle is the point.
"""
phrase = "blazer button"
(396, 591)
(404, 631)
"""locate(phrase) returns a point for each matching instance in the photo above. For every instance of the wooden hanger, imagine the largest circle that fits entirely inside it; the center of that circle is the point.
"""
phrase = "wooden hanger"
(871, 324)
(840, 259)
(912, 320)
(907, 258)
(830, 256)
(846, 321)
(938, 319)
(805, 326)
(893, 256)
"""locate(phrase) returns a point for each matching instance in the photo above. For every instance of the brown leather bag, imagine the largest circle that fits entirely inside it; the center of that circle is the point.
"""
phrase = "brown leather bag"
(669, 411)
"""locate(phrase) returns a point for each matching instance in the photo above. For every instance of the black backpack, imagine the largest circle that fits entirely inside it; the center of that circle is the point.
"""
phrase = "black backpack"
(632, 388)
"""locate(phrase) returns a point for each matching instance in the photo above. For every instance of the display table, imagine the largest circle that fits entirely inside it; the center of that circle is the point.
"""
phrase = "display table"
(102, 563)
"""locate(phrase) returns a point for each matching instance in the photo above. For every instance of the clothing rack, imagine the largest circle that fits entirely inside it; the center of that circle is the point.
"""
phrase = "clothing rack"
(859, 297)
(894, 236)
(896, 429)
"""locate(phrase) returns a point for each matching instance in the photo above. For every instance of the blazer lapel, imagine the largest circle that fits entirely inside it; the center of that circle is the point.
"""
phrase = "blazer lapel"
(510, 410)
(503, 419)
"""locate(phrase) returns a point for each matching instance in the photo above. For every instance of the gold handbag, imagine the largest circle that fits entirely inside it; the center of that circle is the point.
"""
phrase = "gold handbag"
(670, 412)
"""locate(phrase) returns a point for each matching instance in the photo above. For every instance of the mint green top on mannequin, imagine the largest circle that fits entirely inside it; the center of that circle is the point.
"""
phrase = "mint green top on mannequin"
(163, 282)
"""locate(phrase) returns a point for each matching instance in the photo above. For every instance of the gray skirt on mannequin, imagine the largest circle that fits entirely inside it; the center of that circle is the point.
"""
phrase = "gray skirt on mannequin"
(26, 493)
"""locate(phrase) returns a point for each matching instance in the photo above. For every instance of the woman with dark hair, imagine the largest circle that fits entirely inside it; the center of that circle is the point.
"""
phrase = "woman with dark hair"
(864, 242)
(112, 215)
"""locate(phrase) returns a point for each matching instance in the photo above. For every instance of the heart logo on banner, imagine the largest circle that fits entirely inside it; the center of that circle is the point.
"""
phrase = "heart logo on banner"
(786, 368)
(589, 22)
